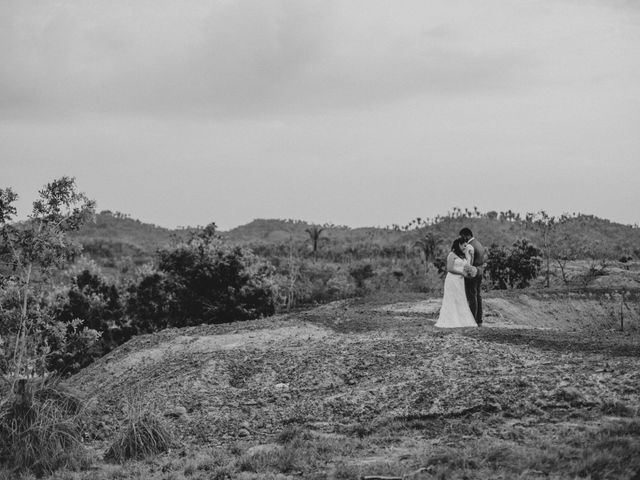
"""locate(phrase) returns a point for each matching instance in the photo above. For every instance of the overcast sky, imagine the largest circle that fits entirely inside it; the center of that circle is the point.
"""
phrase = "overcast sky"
(355, 112)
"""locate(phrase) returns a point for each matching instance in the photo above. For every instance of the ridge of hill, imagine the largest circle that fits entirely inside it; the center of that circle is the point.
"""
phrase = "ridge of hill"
(116, 239)
(119, 227)
(114, 234)
(261, 231)
(268, 230)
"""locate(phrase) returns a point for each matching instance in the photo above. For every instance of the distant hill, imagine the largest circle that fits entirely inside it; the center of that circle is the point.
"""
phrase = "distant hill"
(276, 230)
(602, 237)
(115, 235)
(121, 227)
(268, 230)
(114, 238)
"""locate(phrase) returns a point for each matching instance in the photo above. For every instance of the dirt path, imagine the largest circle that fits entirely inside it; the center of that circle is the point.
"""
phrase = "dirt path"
(499, 313)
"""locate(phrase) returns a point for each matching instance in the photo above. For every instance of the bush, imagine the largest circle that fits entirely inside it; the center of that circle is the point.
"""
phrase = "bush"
(40, 428)
(149, 302)
(524, 263)
(94, 300)
(31, 253)
(498, 266)
(340, 286)
(51, 344)
(360, 274)
(515, 267)
(99, 304)
(143, 434)
(71, 346)
(203, 280)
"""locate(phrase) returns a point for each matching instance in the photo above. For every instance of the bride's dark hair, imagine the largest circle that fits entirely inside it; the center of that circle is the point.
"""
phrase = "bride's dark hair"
(455, 247)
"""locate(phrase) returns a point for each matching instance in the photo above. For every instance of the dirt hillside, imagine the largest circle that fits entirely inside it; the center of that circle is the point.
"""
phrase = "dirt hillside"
(545, 363)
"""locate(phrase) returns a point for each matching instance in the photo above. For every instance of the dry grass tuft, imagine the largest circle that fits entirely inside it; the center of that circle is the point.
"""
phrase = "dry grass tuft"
(40, 430)
(617, 408)
(142, 434)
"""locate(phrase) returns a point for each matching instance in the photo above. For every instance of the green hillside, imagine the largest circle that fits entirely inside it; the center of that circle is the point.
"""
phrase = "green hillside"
(115, 240)
(113, 237)
(587, 234)
(268, 230)
(590, 236)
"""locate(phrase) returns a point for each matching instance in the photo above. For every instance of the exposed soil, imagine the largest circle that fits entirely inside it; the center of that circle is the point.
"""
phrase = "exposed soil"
(539, 367)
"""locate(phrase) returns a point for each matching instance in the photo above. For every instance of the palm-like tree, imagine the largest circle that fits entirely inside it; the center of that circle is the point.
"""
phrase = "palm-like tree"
(314, 234)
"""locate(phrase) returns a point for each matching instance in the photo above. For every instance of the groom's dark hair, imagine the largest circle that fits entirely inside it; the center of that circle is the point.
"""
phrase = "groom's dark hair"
(466, 232)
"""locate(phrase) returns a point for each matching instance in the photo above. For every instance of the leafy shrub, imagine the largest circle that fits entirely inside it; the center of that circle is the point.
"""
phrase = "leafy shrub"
(515, 267)
(71, 346)
(31, 252)
(149, 302)
(525, 262)
(94, 300)
(203, 280)
(360, 273)
(340, 286)
(100, 305)
(40, 428)
(50, 345)
(498, 266)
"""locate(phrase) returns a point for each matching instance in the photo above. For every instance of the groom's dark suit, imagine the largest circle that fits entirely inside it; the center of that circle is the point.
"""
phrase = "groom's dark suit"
(472, 285)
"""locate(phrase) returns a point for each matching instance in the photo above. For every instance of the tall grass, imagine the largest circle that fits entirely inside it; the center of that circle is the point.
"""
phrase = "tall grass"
(40, 428)
(141, 434)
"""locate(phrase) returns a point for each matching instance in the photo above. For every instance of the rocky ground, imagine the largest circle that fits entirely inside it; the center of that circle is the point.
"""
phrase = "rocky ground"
(371, 388)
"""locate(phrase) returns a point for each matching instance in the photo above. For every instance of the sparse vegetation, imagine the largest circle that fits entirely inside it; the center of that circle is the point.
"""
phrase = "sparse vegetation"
(203, 280)
(41, 428)
(141, 435)
(400, 256)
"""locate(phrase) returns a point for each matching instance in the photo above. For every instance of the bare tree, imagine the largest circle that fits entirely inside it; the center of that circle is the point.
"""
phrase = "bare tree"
(544, 223)
(294, 273)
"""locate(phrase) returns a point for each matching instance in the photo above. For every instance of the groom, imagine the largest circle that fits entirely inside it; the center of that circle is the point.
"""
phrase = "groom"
(472, 285)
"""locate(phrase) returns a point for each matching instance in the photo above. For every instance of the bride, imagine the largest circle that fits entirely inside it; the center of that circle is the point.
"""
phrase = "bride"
(455, 310)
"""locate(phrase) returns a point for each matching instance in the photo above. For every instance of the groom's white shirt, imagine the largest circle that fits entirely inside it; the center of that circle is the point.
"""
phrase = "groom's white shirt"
(471, 250)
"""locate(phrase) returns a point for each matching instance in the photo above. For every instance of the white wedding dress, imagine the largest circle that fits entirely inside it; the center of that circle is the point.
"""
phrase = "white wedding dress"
(455, 311)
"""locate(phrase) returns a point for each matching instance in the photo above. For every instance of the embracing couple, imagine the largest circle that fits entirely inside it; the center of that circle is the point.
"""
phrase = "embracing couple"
(461, 302)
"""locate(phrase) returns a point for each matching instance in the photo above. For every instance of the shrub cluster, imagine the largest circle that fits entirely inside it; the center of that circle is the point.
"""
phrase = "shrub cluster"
(203, 280)
(515, 267)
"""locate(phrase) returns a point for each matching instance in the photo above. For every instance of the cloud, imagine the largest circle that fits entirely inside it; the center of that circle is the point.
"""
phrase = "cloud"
(239, 57)
(273, 102)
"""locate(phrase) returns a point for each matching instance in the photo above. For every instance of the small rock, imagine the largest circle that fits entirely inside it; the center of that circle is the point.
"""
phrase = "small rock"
(243, 432)
(177, 412)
